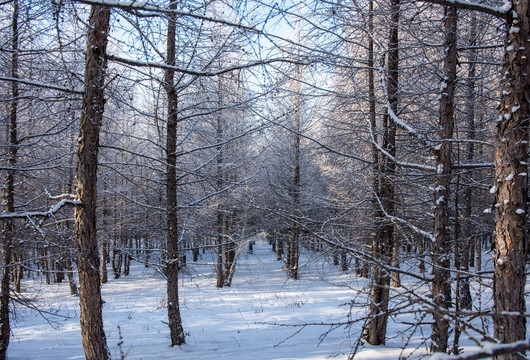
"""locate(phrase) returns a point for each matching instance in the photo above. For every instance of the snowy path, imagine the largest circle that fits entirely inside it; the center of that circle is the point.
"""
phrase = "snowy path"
(228, 322)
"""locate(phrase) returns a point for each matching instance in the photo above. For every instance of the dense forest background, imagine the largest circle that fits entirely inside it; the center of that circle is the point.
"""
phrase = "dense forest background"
(388, 136)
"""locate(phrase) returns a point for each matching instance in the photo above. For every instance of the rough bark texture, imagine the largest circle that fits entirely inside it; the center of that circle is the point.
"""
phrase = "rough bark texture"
(511, 182)
(173, 306)
(466, 250)
(441, 289)
(9, 197)
(383, 240)
(90, 302)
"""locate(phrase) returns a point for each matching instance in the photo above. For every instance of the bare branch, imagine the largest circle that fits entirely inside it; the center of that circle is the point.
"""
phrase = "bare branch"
(188, 71)
(500, 12)
(41, 85)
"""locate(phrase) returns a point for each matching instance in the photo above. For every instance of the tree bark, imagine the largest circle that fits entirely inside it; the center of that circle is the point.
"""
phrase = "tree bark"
(220, 183)
(441, 289)
(9, 197)
(90, 302)
(511, 182)
(294, 239)
(465, 253)
(173, 306)
(383, 239)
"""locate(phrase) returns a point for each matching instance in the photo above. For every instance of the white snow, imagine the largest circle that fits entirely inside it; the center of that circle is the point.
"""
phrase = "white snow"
(243, 321)
(260, 317)
(494, 189)
(520, 211)
(510, 177)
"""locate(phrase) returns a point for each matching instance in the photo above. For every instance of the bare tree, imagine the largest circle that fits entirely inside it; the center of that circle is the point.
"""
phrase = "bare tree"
(173, 308)
(511, 181)
(441, 289)
(9, 196)
(90, 302)
(383, 241)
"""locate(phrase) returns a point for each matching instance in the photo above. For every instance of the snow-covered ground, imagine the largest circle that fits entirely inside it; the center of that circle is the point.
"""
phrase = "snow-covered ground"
(259, 317)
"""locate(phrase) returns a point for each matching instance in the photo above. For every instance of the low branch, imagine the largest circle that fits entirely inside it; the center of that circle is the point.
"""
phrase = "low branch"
(45, 214)
(487, 351)
(41, 85)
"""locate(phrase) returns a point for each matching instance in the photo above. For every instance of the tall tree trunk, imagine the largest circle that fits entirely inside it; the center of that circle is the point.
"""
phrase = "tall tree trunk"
(511, 182)
(90, 302)
(376, 171)
(9, 197)
(464, 299)
(172, 270)
(384, 233)
(441, 289)
(294, 240)
(221, 214)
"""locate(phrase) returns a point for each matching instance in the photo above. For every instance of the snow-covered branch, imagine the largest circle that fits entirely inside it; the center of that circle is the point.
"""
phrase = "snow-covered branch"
(129, 5)
(487, 351)
(500, 11)
(54, 209)
(396, 219)
(395, 118)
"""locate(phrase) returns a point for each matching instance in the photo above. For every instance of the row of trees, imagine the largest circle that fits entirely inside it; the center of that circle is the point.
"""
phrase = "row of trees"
(368, 129)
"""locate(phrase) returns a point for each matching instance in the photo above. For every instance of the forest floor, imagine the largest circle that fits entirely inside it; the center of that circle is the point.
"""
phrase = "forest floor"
(261, 316)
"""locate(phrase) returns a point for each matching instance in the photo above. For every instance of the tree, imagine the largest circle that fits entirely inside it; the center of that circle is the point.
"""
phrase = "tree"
(511, 181)
(9, 196)
(383, 241)
(90, 302)
(173, 308)
(441, 289)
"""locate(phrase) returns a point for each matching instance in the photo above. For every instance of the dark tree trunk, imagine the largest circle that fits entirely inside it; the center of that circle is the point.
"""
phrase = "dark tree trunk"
(441, 289)
(90, 302)
(294, 239)
(93, 336)
(9, 197)
(465, 253)
(511, 184)
(383, 237)
(172, 270)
